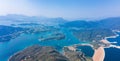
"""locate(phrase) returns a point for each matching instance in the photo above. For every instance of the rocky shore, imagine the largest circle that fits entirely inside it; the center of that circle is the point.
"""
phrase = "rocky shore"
(38, 53)
(46, 53)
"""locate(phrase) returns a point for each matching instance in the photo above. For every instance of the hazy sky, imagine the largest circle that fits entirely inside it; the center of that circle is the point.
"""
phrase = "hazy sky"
(69, 9)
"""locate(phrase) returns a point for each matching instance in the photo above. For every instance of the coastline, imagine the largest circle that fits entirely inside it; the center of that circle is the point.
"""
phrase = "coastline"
(15, 53)
(106, 41)
(116, 35)
(83, 45)
(99, 54)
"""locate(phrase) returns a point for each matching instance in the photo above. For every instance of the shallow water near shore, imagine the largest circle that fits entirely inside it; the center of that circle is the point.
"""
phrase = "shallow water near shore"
(24, 40)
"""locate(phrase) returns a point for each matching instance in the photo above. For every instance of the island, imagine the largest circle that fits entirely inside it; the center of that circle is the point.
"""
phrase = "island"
(53, 36)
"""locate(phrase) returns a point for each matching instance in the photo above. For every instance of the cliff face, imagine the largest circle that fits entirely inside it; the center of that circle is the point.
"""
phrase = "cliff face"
(38, 53)
(44, 53)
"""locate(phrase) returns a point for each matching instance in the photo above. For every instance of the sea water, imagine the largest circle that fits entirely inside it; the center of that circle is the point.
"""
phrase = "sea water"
(7, 49)
(113, 54)
(87, 50)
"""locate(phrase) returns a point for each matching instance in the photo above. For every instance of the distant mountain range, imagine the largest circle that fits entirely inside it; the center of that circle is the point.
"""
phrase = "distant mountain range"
(111, 23)
(104, 23)
(32, 19)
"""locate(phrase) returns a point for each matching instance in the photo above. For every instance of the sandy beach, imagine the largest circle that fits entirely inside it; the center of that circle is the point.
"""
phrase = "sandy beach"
(99, 54)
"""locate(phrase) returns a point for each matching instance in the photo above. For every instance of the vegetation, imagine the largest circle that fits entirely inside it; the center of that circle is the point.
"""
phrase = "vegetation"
(45, 53)
(7, 32)
(76, 55)
(94, 30)
(38, 53)
(109, 23)
(92, 34)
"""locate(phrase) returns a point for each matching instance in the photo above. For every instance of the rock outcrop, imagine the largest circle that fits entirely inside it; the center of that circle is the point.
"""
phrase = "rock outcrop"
(46, 53)
(74, 55)
(38, 53)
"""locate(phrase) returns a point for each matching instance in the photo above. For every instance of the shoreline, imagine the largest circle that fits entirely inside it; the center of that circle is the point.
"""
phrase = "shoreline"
(83, 45)
(16, 53)
(116, 35)
(106, 41)
(99, 54)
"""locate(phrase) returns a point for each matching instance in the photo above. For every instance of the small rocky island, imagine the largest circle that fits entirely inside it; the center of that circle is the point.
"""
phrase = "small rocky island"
(54, 36)
(46, 53)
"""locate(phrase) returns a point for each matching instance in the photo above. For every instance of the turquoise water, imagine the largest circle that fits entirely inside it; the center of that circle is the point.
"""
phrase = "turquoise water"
(9, 48)
(24, 40)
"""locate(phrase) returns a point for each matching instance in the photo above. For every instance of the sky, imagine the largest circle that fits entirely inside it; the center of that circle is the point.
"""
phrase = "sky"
(68, 9)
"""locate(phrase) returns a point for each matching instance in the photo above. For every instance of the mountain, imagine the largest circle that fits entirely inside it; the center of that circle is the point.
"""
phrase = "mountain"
(93, 30)
(38, 53)
(33, 19)
(109, 23)
(80, 24)
(47, 53)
